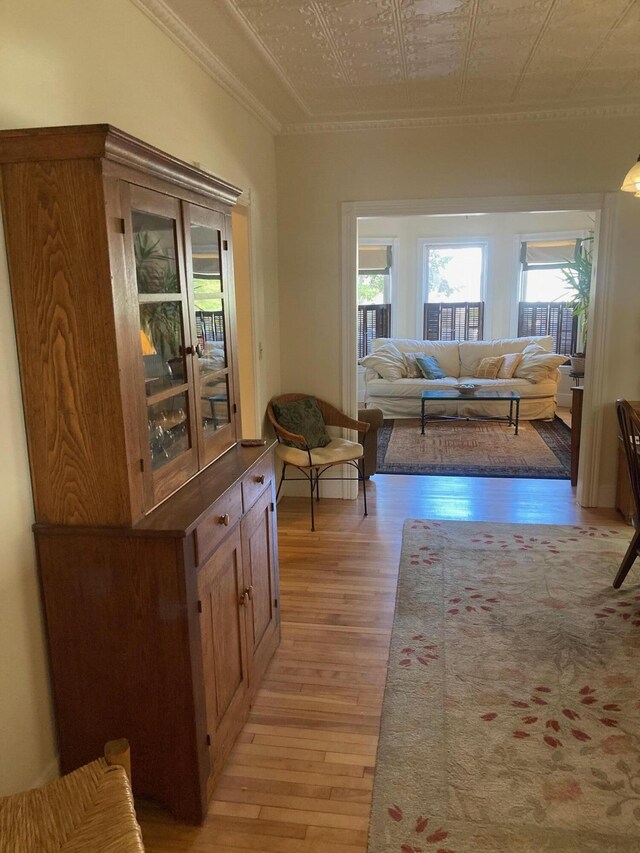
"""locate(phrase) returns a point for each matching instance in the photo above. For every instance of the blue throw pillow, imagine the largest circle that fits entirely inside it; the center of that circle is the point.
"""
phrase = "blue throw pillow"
(430, 367)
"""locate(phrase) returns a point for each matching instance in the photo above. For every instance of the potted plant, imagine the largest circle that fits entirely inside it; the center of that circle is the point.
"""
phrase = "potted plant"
(577, 275)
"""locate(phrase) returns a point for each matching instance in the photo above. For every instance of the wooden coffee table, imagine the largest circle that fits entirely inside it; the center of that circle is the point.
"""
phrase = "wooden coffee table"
(486, 395)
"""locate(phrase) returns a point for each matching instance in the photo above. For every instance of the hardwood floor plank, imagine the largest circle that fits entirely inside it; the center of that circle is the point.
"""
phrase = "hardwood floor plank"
(301, 774)
(227, 795)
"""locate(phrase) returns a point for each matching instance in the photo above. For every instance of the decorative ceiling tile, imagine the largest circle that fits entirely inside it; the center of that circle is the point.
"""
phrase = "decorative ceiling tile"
(316, 60)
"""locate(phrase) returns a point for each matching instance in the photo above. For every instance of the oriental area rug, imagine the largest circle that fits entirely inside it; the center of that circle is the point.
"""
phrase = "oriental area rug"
(475, 448)
(511, 717)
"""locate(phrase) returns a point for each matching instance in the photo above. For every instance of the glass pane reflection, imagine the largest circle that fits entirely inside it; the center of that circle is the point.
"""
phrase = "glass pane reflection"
(161, 342)
(205, 258)
(154, 243)
(214, 405)
(168, 430)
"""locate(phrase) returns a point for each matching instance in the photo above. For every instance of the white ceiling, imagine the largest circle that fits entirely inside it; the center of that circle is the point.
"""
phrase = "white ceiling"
(318, 64)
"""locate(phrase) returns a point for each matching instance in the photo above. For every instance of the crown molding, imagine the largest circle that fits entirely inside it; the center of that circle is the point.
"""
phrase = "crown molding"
(259, 45)
(178, 32)
(555, 114)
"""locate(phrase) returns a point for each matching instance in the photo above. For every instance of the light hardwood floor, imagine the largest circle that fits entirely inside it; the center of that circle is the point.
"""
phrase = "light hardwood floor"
(300, 777)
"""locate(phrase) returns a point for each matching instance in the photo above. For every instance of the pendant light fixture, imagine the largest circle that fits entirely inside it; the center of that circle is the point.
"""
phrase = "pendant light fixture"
(631, 183)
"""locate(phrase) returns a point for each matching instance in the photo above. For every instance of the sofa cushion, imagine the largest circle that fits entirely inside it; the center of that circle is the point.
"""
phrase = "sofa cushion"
(472, 352)
(539, 366)
(545, 388)
(509, 364)
(430, 367)
(445, 351)
(489, 367)
(386, 360)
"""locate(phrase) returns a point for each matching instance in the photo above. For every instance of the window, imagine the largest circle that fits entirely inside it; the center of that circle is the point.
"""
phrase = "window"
(454, 276)
(541, 265)
(375, 260)
(545, 306)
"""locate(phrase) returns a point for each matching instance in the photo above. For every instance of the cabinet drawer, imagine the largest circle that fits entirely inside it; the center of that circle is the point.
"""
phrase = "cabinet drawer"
(223, 515)
(254, 481)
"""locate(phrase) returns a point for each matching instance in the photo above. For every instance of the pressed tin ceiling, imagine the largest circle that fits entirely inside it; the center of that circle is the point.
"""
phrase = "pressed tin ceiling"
(320, 64)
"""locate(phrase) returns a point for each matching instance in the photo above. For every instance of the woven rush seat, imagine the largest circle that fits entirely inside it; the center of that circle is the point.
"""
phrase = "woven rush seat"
(87, 811)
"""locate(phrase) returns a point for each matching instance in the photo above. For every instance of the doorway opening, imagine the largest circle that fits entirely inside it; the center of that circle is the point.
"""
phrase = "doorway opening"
(512, 254)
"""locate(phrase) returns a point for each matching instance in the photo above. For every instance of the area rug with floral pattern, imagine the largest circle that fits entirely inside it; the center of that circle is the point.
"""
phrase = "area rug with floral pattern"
(511, 717)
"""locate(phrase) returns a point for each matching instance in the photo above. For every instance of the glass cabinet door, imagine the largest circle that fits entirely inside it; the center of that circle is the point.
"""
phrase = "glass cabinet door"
(211, 297)
(165, 342)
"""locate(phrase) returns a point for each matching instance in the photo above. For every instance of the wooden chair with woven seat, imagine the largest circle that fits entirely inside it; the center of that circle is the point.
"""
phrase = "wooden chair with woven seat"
(314, 462)
(630, 433)
(87, 811)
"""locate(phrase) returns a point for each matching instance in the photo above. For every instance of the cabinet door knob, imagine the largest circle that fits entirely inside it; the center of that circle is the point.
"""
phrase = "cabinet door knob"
(249, 591)
(224, 519)
(243, 598)
(260, 478)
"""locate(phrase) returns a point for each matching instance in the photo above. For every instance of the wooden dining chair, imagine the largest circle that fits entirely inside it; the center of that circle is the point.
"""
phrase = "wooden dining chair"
(630, 433)
(314, 462)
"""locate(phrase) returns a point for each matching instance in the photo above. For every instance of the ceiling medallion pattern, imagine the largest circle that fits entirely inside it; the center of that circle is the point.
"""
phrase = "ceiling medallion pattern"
(364, 62)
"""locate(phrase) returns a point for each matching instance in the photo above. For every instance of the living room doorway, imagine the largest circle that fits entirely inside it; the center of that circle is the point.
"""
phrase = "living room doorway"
(500, 285)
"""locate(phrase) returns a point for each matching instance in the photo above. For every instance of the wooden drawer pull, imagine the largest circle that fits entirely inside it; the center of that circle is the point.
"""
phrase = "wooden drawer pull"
(224, 519)
(260, 479)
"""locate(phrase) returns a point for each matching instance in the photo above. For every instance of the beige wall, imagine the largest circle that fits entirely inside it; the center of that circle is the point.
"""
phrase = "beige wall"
(75, 62)
(317, 172)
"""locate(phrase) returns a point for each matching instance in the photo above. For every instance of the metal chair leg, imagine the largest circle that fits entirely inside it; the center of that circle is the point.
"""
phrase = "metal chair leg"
(313, 522)
(284, 468)
(364, 484)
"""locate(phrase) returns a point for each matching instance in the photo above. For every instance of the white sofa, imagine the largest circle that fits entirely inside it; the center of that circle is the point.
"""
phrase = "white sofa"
(400, 398)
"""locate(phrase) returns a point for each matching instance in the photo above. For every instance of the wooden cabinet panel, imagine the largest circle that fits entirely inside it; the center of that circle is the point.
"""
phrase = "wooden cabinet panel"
(259, 556)
(117, 612)
(254, 482)
(224, 514)
(224, 646)
(61, 296)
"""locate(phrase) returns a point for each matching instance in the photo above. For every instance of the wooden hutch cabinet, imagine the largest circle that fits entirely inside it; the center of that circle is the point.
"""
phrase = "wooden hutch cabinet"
(155, 529)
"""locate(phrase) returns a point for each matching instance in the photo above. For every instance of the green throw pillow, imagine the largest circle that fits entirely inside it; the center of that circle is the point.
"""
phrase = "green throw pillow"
(303, 417)
(430, 367)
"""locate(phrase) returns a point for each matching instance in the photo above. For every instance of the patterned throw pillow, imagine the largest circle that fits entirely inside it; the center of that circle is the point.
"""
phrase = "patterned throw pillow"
(413, 370)
(509, 364)
(430, 367)
(303, 417)
(489, 367)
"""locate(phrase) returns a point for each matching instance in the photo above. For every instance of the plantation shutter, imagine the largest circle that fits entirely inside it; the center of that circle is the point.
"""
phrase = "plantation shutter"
(374, 321)
(549, 318)
(453, 321)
